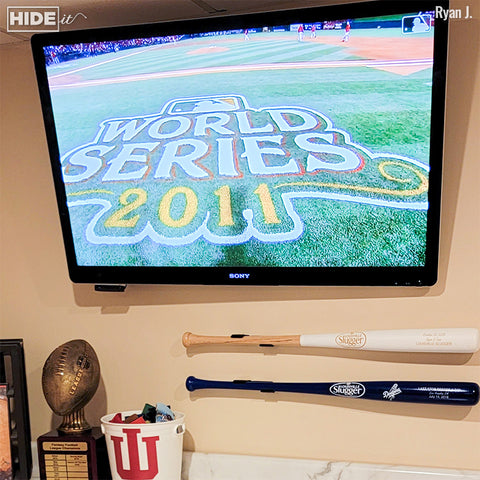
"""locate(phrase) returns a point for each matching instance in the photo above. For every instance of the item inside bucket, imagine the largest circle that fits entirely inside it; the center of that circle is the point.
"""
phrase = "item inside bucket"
(150, 414)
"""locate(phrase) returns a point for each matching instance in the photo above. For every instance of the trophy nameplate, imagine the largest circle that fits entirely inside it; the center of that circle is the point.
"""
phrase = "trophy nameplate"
(74, 450)
(73, 456)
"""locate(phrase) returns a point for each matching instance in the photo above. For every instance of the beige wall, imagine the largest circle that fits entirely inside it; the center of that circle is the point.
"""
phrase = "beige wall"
(137, 334)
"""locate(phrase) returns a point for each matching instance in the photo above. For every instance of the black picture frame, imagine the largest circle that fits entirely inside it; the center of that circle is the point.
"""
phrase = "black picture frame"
(424, 275)
(12, 374)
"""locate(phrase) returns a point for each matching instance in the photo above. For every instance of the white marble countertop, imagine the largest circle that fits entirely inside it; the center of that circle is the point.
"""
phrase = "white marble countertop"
(201, 466)
(214, 466)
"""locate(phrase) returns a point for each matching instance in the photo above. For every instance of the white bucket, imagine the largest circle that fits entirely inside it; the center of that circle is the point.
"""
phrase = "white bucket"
(144, 451)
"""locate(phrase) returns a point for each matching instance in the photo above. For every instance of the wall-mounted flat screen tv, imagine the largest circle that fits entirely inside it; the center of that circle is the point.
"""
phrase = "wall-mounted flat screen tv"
(294, 147)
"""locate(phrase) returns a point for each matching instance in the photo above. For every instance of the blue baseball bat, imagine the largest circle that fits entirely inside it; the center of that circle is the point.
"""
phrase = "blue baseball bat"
(444, 393)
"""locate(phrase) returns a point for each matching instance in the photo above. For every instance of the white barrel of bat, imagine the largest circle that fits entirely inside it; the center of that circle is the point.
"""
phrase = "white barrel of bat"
(435, 340)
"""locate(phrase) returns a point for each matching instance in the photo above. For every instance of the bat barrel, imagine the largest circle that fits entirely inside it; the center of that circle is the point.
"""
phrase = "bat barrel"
(444, 393)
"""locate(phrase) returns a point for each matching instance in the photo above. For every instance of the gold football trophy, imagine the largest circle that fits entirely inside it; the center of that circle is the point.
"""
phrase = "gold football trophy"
(70, 378)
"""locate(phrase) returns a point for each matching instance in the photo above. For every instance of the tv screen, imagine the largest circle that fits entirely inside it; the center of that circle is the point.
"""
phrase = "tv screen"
(294, 147)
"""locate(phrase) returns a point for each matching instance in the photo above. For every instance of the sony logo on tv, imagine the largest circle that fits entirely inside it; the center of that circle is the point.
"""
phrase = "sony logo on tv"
(239, 275)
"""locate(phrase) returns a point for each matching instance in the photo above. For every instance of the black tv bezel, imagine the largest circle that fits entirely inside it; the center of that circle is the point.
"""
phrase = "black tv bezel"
(308, 276)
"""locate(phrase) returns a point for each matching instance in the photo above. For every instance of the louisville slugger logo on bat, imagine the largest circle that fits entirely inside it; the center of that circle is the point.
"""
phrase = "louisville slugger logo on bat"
(351, 340)
(348, 389)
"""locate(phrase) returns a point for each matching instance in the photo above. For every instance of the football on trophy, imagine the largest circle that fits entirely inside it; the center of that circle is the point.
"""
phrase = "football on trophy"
(70, 376)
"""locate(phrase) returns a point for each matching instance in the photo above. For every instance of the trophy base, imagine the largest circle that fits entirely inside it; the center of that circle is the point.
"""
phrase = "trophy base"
(79, 456)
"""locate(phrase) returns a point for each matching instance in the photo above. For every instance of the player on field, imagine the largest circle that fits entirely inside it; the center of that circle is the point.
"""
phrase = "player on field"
(300, 33)
(346, 36)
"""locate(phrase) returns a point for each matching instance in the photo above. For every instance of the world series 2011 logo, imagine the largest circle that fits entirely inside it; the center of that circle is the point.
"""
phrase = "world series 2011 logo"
(214, 168)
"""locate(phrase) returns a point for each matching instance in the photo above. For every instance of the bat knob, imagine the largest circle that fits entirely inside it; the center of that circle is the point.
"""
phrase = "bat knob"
(190, 383)
(186, 339)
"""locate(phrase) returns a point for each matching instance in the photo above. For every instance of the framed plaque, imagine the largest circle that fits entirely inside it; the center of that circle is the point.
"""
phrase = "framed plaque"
(15, 437)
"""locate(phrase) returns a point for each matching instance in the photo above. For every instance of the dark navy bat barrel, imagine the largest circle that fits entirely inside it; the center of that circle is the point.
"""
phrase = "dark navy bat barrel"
(446, 393)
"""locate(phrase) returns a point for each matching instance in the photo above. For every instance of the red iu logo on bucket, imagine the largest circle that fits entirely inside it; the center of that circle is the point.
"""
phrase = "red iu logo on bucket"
(136, 453)
(348, 389)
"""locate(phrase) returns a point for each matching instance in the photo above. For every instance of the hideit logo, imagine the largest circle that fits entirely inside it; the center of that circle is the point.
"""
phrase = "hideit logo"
(38, 19)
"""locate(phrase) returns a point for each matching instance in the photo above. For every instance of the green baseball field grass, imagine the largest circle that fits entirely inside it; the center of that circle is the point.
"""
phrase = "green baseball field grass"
(375, 107)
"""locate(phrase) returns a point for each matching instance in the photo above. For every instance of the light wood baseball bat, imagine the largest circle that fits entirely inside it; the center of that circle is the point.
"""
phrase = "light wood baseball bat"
(435, 340)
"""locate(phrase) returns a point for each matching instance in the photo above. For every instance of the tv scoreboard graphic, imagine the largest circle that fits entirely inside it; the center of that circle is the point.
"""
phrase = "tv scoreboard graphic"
(217, 169)
(421, 23)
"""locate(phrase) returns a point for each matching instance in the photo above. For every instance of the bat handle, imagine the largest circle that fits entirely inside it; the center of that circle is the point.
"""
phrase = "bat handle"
(191, 339)
(194, 383)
